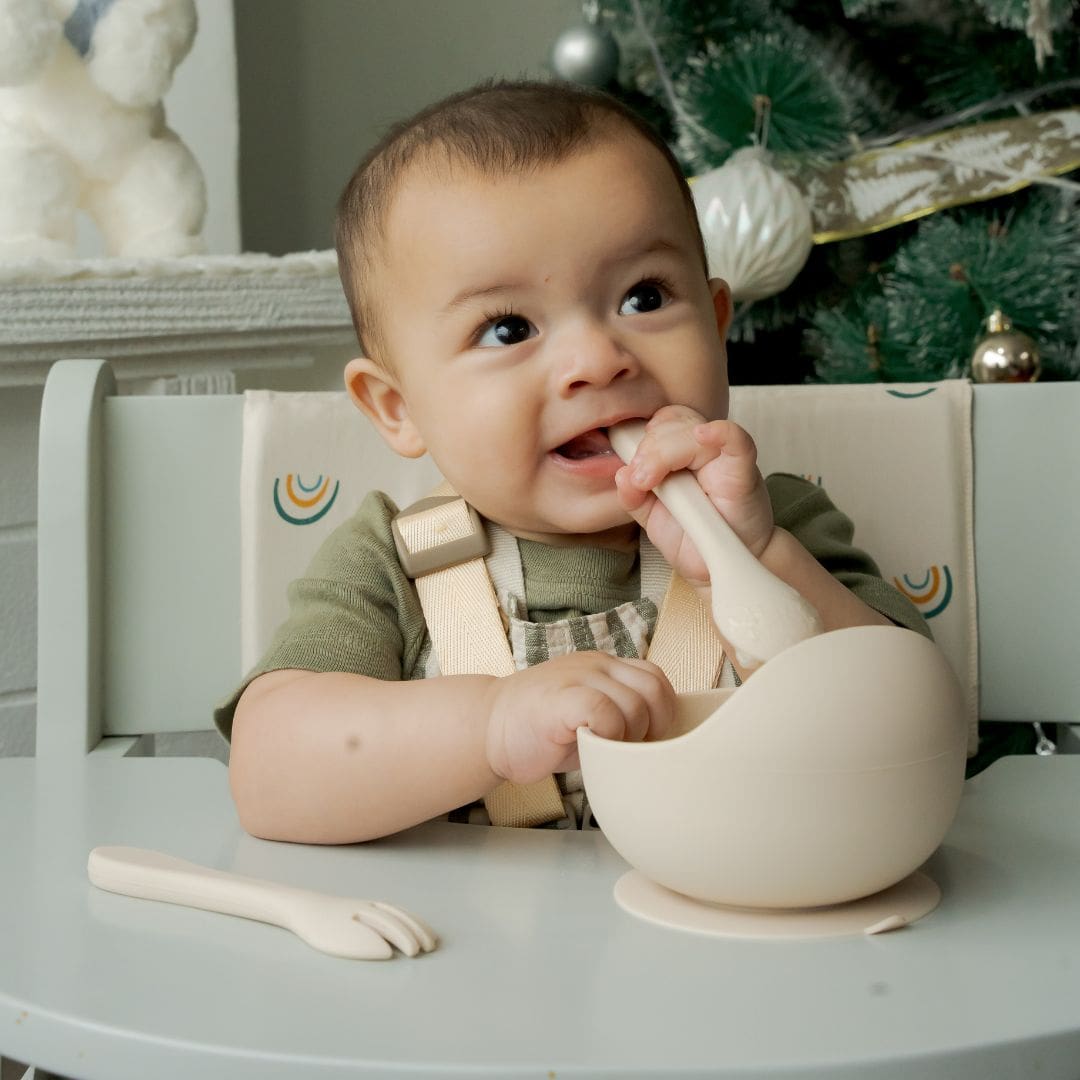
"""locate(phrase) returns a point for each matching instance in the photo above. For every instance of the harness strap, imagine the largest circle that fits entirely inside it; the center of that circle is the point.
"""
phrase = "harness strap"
(685, 645)
(444, 539)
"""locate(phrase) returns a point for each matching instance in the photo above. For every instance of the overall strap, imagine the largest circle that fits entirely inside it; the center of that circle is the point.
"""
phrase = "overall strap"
(441, 544)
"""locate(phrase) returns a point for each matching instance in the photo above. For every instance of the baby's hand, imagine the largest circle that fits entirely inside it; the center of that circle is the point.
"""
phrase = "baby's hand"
(724, 459)
(534, 714)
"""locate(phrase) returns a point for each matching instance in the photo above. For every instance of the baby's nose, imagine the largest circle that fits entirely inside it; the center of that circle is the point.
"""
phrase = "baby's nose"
(595, 358)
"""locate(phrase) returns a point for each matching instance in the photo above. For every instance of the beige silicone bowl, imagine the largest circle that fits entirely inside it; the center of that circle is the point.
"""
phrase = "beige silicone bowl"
(831, 774)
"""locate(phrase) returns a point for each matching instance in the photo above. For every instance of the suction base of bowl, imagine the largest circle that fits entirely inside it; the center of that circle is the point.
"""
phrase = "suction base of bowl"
(900, 904)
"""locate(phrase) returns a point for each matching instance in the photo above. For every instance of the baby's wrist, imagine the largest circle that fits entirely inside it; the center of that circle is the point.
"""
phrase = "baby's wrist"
(761, 544)
(772, 551)
(495, 750)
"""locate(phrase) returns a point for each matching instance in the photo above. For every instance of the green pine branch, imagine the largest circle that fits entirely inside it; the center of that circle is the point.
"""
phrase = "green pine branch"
(922, 317)
(815, 104)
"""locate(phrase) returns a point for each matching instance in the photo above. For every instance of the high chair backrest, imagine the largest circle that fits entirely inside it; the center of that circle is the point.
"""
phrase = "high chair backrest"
(139, 556)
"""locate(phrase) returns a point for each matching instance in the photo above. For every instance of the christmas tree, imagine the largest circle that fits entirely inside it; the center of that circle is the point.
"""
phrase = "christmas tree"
(920, 153)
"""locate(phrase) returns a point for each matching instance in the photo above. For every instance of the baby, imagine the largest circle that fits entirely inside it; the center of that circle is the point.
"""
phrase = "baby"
(525, 270)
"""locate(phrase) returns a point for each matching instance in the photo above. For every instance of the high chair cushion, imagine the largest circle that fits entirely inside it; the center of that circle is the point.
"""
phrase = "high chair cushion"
(307, 462)
(897, 460)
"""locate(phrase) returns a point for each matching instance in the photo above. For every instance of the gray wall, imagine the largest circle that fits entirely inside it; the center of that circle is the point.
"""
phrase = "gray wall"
(320, 80)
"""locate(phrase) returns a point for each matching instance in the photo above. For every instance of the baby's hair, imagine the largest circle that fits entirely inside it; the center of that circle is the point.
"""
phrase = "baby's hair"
(498, 128)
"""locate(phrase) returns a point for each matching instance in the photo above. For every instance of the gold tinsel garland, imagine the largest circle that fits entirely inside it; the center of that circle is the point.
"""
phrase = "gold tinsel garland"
(878, 189)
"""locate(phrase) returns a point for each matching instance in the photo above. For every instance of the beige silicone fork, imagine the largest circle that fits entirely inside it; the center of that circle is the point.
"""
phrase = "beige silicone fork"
(754, 610)
(355, 929)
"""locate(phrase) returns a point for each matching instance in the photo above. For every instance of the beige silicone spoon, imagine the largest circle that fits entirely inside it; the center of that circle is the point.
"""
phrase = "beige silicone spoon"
(354, 929)
(754, 610)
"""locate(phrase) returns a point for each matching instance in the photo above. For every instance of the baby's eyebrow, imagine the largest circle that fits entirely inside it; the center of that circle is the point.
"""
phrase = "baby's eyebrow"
(480, 292)
(659, 245)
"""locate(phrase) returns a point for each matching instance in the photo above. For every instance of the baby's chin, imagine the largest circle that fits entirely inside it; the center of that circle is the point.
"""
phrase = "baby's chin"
(610, 530)
(556, 517)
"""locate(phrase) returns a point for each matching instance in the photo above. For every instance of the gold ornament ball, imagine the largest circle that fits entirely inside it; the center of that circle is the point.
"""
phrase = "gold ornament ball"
(1005, 355)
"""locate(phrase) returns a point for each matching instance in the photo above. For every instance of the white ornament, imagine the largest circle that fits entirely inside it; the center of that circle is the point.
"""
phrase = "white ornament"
(756, 224)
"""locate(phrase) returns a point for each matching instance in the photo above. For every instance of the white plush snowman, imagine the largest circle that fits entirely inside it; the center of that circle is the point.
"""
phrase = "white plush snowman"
(82, 127)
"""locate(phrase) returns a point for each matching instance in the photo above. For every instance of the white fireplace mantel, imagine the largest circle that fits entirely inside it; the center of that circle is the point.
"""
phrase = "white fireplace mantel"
(196, 318)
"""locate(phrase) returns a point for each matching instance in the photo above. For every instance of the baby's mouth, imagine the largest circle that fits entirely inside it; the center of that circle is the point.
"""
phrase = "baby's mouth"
(589, 444)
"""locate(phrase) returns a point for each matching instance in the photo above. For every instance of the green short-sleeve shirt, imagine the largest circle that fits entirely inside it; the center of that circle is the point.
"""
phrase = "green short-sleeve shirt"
(355, 610)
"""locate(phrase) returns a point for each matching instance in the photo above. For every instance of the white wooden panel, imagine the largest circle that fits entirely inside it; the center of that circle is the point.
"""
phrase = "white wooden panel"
(18, 610)
(17, 728)
(172, 619)
(19, 411)
(1027, 525)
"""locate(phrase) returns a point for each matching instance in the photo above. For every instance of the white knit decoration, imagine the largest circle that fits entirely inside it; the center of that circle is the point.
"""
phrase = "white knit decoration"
(756, 225)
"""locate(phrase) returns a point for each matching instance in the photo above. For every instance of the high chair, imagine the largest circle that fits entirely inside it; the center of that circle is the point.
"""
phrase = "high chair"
(539, 973)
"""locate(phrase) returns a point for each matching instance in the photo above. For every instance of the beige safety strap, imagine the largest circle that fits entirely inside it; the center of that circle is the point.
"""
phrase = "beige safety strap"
(441, 544)
(685, 644)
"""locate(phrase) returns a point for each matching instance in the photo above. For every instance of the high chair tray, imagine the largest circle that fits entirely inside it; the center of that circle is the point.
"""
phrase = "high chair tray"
(539, 973)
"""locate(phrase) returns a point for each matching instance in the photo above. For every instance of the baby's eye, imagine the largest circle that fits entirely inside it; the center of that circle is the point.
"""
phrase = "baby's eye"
(644, 296)
(505, 330)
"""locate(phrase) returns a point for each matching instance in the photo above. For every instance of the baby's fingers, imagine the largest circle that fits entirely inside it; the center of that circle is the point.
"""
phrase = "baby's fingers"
(665, 450)
(630, 719)
(635, 501)
(612, 710)
(651, 687)
(727, 437)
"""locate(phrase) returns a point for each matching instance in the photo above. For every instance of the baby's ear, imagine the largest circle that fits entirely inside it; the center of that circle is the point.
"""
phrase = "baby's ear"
(721, 298)
(376, 393)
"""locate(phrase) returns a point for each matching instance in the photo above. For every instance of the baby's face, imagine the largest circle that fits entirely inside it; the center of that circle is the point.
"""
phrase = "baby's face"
(523, 315)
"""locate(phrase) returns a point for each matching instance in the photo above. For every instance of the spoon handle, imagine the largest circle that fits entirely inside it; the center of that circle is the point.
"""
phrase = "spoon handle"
(153, 875)
(753, 610)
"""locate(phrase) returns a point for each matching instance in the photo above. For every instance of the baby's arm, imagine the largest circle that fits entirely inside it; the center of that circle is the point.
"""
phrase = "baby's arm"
(724, 458)
(330, 758)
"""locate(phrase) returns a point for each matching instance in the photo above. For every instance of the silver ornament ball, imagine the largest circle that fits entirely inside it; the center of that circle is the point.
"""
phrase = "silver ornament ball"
(585, 55)
(1005, 355)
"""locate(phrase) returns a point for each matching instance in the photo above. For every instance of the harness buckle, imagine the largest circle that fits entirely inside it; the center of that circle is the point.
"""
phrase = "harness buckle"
(433, 534)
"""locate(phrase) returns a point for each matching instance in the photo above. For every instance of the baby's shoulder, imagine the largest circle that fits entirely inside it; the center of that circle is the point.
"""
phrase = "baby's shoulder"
(362, 538)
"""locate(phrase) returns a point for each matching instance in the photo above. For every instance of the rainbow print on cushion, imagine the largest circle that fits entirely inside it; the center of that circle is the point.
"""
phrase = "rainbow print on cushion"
(304, 504)
(931, 595)
(910, 394)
